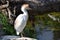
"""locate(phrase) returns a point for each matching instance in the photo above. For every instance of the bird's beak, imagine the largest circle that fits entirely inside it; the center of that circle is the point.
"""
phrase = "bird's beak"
(29, 8)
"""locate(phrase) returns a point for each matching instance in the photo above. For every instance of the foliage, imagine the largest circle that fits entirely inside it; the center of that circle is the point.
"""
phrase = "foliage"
(8, 28)
(29, 30)
(47, 21)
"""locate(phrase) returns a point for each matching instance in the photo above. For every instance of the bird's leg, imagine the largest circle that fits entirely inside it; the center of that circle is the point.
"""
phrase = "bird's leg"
(21, 34)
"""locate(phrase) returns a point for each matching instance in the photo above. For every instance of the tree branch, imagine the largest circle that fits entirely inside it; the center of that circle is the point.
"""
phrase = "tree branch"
(54, 18)
(5, 5)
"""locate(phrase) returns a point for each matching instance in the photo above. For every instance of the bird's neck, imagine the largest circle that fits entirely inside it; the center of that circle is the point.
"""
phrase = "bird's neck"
(24, 11)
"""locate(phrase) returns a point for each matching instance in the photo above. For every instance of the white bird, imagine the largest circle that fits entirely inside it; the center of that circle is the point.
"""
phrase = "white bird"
(21, 19)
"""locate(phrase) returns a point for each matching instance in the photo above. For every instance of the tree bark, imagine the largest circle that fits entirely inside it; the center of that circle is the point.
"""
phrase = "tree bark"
(40, 6)
(5, 5)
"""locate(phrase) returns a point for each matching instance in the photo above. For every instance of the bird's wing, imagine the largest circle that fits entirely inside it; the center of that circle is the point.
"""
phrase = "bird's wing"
(19, 21)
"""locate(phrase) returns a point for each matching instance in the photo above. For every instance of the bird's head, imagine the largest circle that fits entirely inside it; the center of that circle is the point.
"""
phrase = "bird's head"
(25, 7)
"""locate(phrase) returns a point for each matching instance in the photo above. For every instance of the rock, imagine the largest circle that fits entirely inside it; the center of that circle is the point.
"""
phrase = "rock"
(9, 37)
(16, 38)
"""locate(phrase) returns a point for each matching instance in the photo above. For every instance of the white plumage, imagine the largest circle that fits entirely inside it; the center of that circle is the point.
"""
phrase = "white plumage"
(21, 19)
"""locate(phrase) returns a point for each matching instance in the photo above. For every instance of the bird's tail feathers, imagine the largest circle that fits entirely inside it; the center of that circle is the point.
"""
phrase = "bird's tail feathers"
(17, 33)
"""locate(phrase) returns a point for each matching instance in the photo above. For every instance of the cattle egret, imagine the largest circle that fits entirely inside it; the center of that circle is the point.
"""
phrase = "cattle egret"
(21, 19)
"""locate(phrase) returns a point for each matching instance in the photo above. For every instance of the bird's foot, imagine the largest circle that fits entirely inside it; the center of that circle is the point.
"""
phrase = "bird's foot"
(21, 35)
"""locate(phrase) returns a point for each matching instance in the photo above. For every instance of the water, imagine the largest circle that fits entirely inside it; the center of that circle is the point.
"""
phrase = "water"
(45, 35)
